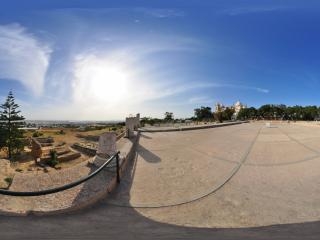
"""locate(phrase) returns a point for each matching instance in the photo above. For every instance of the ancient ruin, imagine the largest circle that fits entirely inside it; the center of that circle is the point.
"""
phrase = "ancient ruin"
(132, 123)
(41, 147)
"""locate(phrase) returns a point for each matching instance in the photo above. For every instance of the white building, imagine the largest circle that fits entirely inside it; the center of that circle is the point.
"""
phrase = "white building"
(237, 107)
(219, 107)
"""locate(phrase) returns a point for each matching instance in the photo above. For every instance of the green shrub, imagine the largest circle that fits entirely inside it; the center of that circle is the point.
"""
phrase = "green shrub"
(8, 180)
(37, 134)
(53, 161)
(61, 132)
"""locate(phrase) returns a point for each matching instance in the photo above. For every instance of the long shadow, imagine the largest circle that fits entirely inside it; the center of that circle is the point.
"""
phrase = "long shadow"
(105, 220)
(145, 136)
(147, 155)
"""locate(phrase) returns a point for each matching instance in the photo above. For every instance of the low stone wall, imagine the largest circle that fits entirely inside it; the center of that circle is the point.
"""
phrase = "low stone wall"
(69, 156)
(92, 138)
(187, 128)
(89, 150)
(121, 135)
(45, 140)
(95, 138)
(85, 150)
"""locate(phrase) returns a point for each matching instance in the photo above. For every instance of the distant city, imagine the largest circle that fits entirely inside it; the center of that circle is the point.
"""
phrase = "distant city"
(62, 123)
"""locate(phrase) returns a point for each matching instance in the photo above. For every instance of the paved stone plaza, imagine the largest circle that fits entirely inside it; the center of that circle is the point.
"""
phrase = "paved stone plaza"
(221, 182)
(236, 176)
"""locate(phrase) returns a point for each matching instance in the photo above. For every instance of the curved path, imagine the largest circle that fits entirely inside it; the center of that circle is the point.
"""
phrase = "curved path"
(277, 184)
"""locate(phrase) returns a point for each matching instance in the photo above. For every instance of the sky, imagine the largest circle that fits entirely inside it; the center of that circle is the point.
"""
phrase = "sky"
(105, 60)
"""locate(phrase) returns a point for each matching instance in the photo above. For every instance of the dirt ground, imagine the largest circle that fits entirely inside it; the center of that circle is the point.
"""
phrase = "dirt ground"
(25, 162)
(69, 136)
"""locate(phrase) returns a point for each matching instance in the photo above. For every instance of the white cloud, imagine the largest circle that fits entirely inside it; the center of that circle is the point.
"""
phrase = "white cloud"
(199, 100)
(108, 83)
(237, 86)
(116, 81)
(161, 12)
(23, 57)
(262, 90)
(252, 9)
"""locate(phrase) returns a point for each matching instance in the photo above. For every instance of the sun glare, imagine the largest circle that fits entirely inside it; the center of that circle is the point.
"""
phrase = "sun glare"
(100, 81)
(108, 83)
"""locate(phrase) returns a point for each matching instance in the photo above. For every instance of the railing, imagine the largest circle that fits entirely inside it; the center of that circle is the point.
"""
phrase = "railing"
(67, 186)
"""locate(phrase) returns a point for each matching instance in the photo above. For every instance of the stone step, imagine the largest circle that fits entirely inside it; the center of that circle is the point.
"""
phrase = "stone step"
(59, 150)
(69, 156)
(63, 157)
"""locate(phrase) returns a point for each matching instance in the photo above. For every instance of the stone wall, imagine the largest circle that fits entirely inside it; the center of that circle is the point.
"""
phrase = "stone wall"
(188, 128)
(86, 150)
(91, 150)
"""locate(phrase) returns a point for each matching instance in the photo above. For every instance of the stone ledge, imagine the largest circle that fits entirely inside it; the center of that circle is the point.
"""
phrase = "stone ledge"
(188, 128)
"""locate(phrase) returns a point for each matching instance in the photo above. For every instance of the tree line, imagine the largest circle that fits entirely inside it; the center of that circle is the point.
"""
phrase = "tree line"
(280, 112)
(267, 112)
(221, 114)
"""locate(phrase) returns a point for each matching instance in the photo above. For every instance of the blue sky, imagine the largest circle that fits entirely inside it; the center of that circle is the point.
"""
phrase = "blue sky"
(100, 60)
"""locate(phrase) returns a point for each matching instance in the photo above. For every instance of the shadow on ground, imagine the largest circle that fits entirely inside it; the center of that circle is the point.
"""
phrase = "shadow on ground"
(145, 136)
(147, 155)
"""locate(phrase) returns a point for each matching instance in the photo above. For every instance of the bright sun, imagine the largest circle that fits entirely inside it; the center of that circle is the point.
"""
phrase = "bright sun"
(108, 82)
(99, 81)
